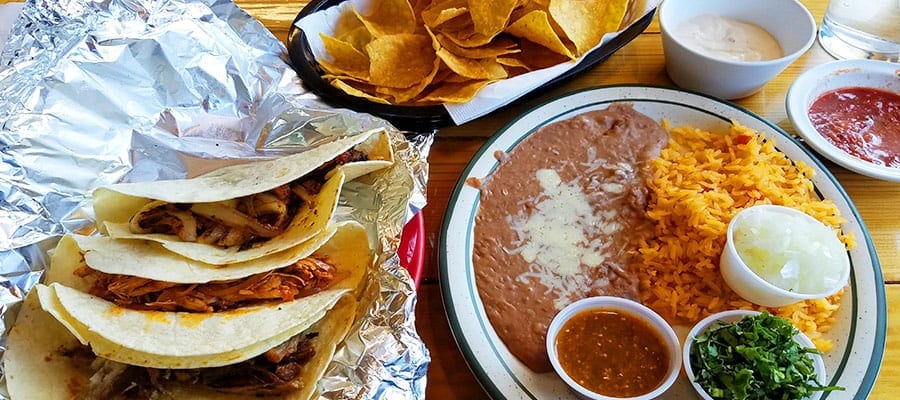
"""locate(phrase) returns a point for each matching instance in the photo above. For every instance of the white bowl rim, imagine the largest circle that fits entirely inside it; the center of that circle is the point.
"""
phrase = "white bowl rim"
(797, 111)
(703, 325)
(621, 303)
(729, 246)
(787, 58)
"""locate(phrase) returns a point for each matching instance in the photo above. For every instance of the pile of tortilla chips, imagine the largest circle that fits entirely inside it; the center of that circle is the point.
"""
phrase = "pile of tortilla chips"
(445, 51)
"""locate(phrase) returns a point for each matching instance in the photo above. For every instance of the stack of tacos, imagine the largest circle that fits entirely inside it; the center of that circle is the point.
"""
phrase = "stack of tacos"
(234, 284)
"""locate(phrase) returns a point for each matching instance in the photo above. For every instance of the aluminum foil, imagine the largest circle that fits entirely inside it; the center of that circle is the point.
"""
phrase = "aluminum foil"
(99, 92)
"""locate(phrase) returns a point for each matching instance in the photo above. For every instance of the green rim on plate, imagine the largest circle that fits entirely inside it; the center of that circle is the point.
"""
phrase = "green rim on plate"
(480, 346)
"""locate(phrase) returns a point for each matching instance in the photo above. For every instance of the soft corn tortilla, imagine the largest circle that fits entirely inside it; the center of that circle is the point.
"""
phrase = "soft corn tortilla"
(150, 260)
(35, 358)
(115, 205)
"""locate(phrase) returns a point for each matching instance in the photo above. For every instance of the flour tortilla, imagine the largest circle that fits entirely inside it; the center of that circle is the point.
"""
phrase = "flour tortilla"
(34, 359)
(309, 220)
(161, 339)
(150, 260)
(157, 338)
(245, 179)
(380, 155)
(115, 205)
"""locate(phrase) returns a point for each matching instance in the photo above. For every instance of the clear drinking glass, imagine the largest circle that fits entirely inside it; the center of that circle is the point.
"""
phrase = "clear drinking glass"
(862, 29)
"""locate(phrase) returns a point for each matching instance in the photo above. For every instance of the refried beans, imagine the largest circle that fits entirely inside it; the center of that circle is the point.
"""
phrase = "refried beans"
(560, 219)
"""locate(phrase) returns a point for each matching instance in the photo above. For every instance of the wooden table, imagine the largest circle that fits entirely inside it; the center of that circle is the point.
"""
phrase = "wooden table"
(641, 61)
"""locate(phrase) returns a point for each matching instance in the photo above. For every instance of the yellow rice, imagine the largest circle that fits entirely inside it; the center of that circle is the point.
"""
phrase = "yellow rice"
(700, 181)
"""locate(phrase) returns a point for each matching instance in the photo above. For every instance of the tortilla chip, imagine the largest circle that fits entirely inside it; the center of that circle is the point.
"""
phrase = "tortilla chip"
(345, 58)
(490, 17)
(501, 45)
(354, 91)
(535, 26)
(513, 62)
(387, 17)
(440, 12)
(456, 78)
(456, 92)
(586, 21)
(486, 68)
(400, 61)
(466, 36)
(346, 22)
(537, 56)
(358, 38)
(404, 95)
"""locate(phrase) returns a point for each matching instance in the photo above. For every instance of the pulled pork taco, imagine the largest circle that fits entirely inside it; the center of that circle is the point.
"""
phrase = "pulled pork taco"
(156, 279)
(131, 319)
(45, 361)
(242, 212)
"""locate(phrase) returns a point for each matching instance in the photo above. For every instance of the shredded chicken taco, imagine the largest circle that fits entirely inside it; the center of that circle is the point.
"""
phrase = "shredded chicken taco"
(156, 279)
(129, 319)
(45, 361)
(242, 212)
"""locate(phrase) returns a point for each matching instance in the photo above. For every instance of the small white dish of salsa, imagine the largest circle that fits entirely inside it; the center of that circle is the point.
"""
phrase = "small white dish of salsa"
(849, 112)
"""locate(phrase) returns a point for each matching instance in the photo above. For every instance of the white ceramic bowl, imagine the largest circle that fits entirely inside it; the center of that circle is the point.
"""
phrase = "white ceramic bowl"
(634, 308)
(789, 22)
(734, 316)
(816, 81)
(751, 286)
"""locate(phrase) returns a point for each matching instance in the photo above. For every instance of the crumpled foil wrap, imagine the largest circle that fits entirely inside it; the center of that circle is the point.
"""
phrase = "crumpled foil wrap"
(98, 92)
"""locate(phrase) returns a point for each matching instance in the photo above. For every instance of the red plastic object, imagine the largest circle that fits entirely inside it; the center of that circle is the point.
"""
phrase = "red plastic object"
(412, 247)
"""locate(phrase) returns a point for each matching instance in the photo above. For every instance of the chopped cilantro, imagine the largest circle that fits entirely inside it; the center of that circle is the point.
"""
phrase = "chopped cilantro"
(754, 358)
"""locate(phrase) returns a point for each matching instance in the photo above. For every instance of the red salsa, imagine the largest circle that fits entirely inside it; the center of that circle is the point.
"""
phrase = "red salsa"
(863, 122)
(612, 352)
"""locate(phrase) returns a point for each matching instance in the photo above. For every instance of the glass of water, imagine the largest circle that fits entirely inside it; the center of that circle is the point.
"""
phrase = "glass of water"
(862, 29)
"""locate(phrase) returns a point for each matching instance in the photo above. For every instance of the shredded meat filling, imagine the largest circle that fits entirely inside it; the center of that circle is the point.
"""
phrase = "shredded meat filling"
(302, 278)
(240, 222)
(271, 373)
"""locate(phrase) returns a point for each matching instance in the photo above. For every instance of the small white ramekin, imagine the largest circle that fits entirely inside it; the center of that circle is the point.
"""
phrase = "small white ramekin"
(751, 286)
(789, 22)
(634, 308)
(816, 81)
(734, 316)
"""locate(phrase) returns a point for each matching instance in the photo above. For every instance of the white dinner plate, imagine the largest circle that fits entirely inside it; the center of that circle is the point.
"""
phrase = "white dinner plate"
(861, 322)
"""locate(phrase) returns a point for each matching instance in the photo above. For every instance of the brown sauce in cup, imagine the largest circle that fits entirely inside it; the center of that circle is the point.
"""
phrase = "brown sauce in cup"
(612, 352)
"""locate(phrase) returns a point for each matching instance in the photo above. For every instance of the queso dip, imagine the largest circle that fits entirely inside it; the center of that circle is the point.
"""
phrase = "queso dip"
(728, 38)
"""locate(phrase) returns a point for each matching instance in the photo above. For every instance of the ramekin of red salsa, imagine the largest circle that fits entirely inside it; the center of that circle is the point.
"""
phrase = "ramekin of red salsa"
(849, 111)
(613, 348)
(863, 122)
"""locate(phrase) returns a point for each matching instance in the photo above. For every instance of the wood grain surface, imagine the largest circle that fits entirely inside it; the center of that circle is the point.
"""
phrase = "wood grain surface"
(642, 61)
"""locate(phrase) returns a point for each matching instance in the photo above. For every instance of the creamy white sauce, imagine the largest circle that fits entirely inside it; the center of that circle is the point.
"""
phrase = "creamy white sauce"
(728, 38)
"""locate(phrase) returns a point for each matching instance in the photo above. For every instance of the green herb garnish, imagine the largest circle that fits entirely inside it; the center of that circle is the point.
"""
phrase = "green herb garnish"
(754, 358)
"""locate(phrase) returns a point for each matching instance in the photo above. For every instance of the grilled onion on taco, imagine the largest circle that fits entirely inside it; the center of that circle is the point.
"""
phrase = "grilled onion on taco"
(242, 212)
